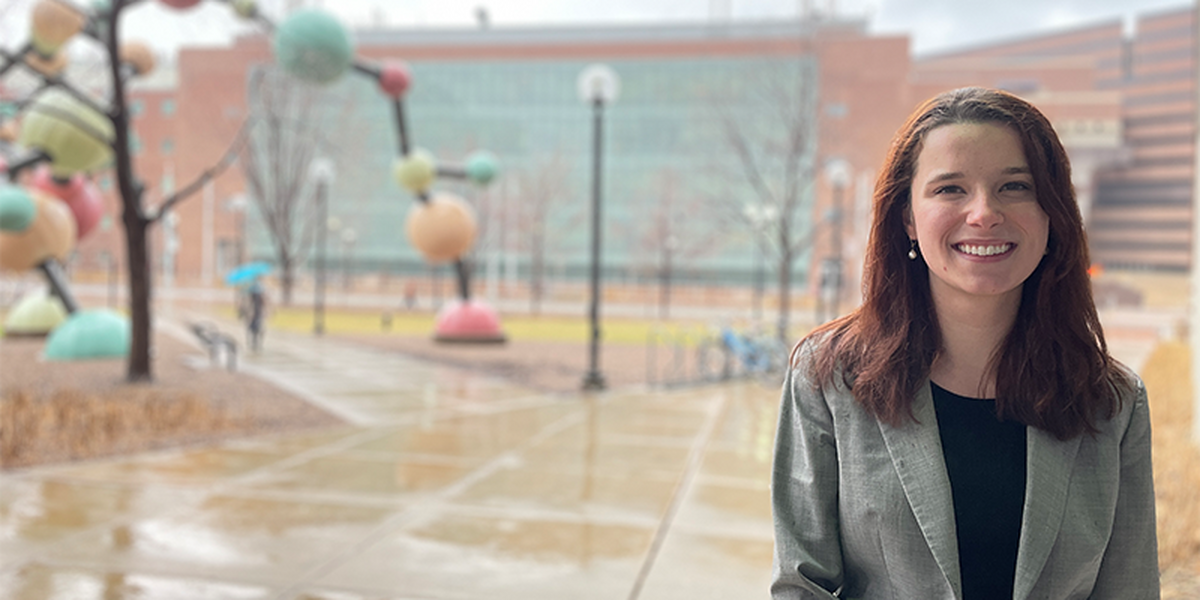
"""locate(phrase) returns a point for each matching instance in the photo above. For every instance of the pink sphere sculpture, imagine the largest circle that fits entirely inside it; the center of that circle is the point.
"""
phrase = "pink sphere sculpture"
(472, 321)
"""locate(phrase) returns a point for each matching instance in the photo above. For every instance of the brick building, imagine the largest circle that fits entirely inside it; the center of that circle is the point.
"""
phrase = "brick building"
(1123, 105)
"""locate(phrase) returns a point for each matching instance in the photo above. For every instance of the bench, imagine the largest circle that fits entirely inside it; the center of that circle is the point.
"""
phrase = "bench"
(217, 343)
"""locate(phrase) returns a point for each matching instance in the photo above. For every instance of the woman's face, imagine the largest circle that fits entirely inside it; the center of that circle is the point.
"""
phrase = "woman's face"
(975, 212)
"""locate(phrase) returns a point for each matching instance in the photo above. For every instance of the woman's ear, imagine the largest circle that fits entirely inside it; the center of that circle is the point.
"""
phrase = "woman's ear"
(908, 223)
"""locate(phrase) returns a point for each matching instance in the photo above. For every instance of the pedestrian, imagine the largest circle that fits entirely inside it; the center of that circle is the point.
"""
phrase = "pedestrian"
(964, 434)
(410, 295)
(254, 313)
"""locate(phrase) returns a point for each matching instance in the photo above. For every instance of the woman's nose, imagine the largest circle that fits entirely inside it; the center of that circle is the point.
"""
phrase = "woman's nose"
(984, 210)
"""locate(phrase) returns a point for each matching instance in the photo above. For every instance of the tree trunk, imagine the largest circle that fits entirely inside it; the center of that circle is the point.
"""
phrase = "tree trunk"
(537, 272)
(287, 280)
(137, 252)
(785, 292)
(664, 289)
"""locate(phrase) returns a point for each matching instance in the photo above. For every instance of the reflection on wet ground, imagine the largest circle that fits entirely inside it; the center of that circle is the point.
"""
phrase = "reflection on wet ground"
(446, 485)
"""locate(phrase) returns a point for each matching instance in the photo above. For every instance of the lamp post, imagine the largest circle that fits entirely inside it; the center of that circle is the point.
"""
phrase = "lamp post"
(349, 236)
(598, 85)
(322, 172)
(837, 171)
(237, 205)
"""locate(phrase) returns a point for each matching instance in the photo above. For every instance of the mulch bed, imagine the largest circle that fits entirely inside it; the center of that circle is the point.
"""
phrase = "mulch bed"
(62, 411)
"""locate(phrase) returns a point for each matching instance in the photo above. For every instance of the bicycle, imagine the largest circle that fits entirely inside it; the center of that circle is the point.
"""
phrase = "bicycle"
(730, 353)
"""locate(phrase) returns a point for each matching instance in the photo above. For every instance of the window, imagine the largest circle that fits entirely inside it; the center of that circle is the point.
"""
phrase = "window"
(166, 146)
(135, 107)
(168, 107)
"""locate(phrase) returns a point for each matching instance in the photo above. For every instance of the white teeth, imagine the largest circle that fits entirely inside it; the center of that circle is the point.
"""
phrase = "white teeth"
(984, 250)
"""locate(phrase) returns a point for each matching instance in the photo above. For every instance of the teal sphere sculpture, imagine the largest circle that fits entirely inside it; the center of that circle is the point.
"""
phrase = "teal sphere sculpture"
(312, 45)
(17, 209)
(481, 167)
(89, 334)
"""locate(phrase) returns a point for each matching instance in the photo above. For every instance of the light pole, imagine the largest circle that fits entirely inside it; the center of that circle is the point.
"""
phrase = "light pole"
(238, 205)
(837, 171)
(321, 170)
(598, 85)
(349, 236)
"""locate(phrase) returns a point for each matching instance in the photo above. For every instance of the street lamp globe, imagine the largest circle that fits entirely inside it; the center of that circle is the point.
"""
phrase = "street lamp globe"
(599, 83)
(837, 170)
(321, 170)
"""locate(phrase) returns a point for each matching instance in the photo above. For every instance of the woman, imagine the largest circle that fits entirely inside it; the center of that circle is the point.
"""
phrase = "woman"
(964, 433)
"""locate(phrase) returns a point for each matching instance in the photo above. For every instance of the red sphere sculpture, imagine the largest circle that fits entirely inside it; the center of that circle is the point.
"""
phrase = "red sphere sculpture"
(79, 194)
(181, 4)
(394, 79)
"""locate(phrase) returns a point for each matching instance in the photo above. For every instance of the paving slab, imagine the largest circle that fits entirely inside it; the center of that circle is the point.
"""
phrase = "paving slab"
(443, 484)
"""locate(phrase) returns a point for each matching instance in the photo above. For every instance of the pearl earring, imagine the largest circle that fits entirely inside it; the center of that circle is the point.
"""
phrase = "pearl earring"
(912, 249)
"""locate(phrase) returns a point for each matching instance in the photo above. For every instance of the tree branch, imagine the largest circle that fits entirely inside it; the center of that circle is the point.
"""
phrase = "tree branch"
(213, 172)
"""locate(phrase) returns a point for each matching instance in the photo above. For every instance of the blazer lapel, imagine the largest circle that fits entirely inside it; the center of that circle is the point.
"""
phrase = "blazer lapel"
(1049, 463)
(916, 452)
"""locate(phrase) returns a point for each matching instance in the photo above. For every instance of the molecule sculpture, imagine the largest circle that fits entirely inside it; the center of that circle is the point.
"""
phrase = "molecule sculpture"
(50, 202)
(312, 45)
(68, 137)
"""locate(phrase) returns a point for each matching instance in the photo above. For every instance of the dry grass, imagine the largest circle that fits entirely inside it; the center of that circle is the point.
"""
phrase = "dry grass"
(1176, 469)
(70, 424)
(55, 412)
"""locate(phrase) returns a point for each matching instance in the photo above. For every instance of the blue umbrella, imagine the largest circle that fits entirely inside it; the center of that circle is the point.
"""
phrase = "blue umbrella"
(247, 273)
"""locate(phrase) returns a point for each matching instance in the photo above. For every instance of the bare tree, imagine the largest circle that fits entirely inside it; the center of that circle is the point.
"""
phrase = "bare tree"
(670, 234)
(771, 130)
(137, 217)
(292, 130)
(542, 186)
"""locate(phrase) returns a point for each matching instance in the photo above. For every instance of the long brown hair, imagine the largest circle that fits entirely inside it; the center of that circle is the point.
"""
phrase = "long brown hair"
(1053, 370)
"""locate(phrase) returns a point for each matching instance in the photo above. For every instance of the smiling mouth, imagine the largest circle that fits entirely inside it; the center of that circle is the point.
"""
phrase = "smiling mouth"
(983, 249)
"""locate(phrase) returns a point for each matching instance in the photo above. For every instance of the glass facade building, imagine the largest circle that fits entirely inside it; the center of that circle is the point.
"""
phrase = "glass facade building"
(674, 183)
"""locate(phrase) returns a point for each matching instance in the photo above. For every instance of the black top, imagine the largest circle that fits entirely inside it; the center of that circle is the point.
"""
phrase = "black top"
(985, 458)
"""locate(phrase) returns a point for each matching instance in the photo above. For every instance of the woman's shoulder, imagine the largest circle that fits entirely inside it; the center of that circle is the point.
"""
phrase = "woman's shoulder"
(807, 352)
(1130, 394)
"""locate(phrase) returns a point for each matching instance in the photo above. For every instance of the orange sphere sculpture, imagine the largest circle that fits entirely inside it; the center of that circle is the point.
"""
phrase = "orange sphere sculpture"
(139, 56)
(53, 22)
(50, 235)
(442, 229)
(48, 66)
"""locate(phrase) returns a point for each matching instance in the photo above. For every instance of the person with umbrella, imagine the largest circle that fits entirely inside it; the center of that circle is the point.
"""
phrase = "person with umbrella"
(254, 314)
(252, 304)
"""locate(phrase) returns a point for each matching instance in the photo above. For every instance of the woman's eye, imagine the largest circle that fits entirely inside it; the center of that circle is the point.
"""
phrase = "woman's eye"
(948, 189)
(1016, 186)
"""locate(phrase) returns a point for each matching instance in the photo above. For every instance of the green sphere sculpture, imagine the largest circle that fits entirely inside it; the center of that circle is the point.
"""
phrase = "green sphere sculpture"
(312, 45)
(76, 137)
(481, 167)
(416, 171)
(17, 209)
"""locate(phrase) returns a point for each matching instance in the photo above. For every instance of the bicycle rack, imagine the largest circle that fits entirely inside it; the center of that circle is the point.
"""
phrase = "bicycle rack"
(677, 370)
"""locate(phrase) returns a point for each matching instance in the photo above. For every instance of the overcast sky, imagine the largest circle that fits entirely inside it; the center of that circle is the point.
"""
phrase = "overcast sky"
(933, 25)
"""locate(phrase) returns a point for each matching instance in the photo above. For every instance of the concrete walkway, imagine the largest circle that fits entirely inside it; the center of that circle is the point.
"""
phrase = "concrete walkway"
(447, 484)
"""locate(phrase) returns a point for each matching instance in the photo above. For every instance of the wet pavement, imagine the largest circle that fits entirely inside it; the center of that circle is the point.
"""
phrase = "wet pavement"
(445, 484)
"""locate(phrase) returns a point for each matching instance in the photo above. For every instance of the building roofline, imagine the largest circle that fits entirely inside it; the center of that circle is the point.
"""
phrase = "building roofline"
(606, 33)
(1017, 39)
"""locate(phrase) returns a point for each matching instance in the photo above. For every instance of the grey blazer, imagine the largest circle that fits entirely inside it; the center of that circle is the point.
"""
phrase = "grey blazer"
(863, 509)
